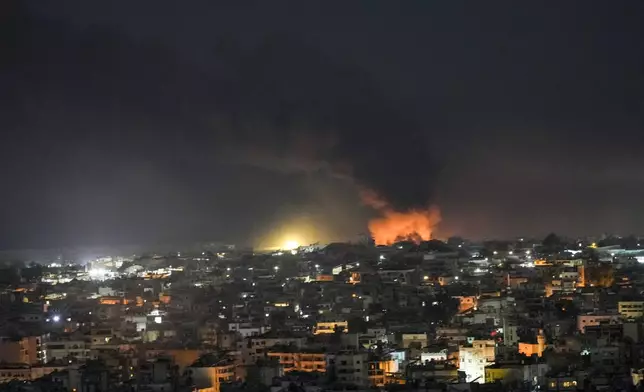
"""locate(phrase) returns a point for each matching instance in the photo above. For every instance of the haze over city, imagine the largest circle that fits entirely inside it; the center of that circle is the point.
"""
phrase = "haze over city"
(141, 122)
(308, 196)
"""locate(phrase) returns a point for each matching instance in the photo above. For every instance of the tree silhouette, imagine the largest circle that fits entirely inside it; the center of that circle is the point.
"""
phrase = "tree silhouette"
(552, 244)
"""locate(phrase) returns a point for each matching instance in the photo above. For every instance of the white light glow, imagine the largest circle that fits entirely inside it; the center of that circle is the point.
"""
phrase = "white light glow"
(98, 274)
(291, 245)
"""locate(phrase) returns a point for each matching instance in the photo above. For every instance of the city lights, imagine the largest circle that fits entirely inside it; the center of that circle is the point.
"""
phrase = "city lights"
(433, 197)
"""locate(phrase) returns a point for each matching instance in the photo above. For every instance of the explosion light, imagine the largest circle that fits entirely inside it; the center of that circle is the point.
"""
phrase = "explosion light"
(392, 225)
(291, 245)
(98, 273)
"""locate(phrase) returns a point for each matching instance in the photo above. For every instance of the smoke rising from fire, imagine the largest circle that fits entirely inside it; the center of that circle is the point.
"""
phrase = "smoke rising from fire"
(277, 110)
(392, 225)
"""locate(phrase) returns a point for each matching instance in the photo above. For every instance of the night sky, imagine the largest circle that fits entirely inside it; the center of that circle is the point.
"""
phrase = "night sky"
(147, 121)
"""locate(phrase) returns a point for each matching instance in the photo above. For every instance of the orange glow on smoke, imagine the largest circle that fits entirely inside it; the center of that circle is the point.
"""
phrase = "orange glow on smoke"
(392, 226)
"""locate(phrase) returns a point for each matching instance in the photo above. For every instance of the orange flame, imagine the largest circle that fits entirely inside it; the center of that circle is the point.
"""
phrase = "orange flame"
(393, 226)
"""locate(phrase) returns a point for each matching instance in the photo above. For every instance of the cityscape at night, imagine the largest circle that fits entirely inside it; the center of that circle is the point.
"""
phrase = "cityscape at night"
(282, 196)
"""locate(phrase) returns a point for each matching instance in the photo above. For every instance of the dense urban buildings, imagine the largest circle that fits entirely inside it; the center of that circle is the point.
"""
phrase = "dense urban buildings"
(553, 314)
(342, 147)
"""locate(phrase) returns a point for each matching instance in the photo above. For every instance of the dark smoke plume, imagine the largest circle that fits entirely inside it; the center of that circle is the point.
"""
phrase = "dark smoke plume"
(318, 110)
(279, 104)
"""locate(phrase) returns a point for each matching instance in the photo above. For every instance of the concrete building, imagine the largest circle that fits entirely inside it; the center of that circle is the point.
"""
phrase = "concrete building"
(208, 373)
(505, 373)
(349, 367)
(436, 356)
(381, 371)
(452, 334)
(631, 309)
(63, 350)
(247, 329)
(529, 348)
(254, 348)
(14, 351)
(438, 372)
(511, 335)
(416, 339)
(474, 359)
(466, 302)
(324, 327)
(293, 359)
(592, 319)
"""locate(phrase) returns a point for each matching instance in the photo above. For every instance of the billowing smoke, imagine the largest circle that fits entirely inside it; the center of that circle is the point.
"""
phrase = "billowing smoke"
(333, 117)
(416, 224)
(274, 102)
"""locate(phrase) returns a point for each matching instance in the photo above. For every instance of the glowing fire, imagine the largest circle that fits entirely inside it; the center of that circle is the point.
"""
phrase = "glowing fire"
(392, 226)
(290, 245)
